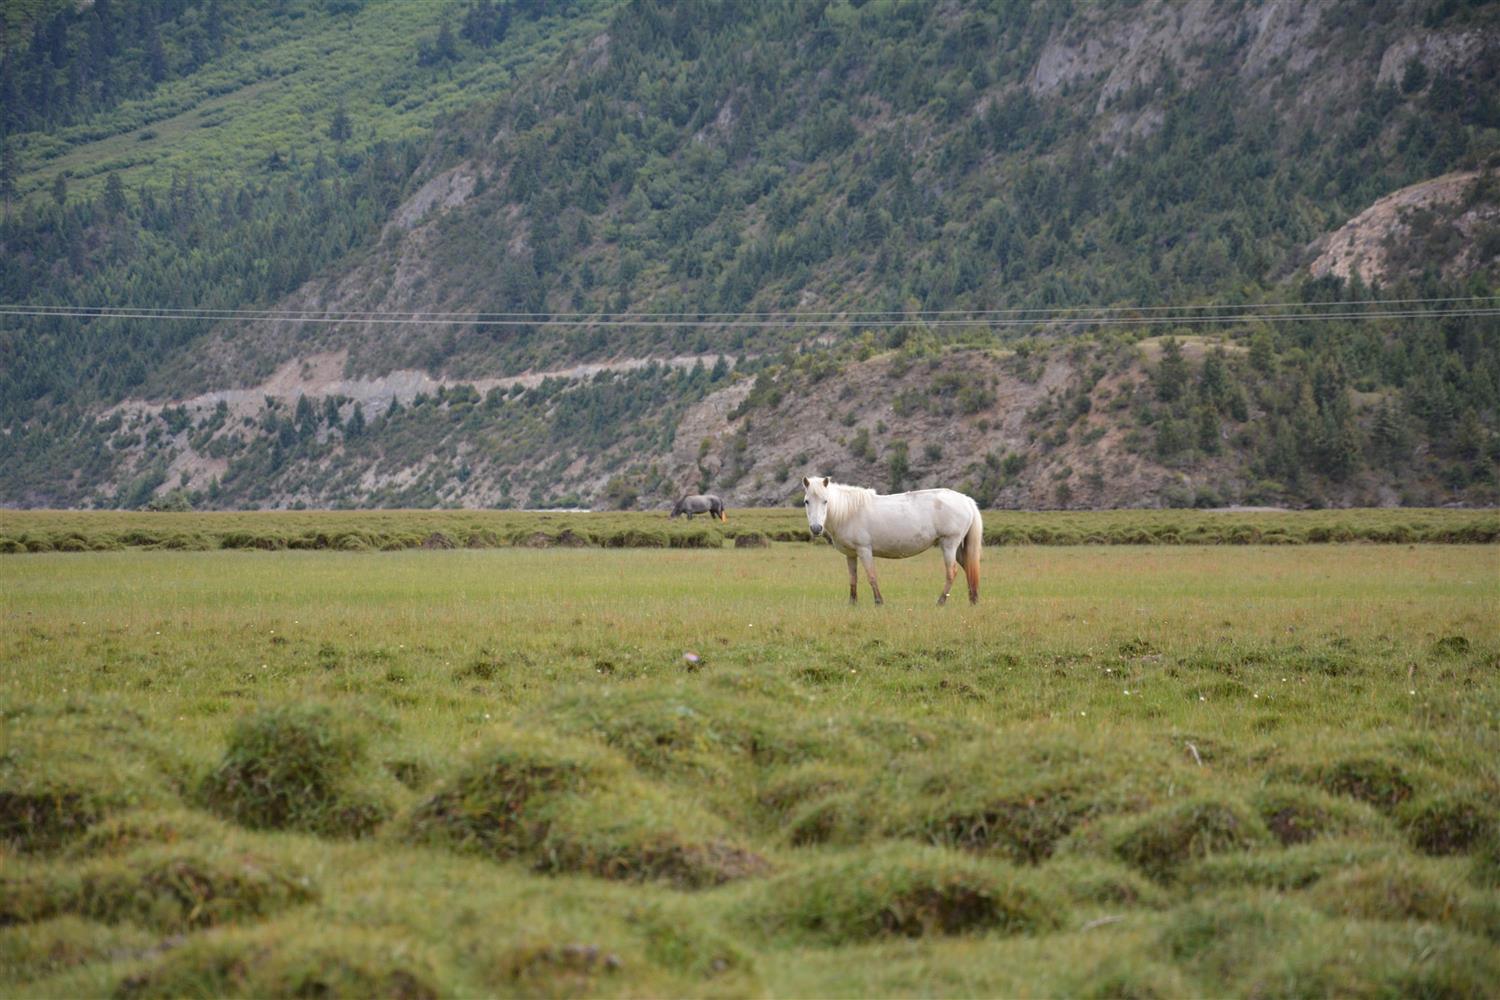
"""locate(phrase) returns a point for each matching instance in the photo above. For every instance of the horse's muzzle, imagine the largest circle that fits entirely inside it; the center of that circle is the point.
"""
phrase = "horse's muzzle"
(816, 529)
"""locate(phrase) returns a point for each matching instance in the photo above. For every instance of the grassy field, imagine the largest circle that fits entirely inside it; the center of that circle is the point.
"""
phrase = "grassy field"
(89, 531)
(1138, 770)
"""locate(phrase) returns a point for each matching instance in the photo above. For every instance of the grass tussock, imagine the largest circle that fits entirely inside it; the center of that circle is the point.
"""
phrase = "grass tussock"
(1266, 945)
(1297, 867)
(170, 889)
(1405, 888)
(1374, 779)
(1100, 883)
(1370, 959)
(673, 733)
(34, 951)
(1296, 815)
(63, 770)
(903, 890)
(296, 959)
(145, 828)
(1222, 937)
(548, 969)
(1445, 824)
(568, 806)
(970, 793)
(1165, 839)
(495, 804)
(1135, 977)
(298, 767)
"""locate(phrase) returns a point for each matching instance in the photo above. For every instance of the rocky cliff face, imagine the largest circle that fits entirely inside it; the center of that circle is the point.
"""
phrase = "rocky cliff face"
(1450, 224)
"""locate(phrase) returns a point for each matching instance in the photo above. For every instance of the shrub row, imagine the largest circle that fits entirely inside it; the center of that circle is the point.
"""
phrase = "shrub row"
(84, 531)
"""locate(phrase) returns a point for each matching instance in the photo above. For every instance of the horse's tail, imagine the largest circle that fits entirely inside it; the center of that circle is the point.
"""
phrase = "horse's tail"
(973, 546)
(723, 513)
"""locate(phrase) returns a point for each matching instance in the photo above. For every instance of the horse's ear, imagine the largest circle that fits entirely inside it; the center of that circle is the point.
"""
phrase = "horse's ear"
(827, 480)
(805, 483)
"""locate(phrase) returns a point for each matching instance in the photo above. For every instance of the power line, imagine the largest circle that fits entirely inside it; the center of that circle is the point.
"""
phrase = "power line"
(780, 324)
(790, 323)
(1224, 312)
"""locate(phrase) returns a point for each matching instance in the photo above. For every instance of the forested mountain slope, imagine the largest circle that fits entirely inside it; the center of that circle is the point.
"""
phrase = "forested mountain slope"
(803, 158)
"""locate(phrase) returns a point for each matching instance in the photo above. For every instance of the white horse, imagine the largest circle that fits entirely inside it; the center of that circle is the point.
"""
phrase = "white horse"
(863, 524)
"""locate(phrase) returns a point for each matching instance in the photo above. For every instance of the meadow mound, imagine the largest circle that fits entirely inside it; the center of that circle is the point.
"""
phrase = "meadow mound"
(169, 888)
(1296, 815)
(299, 767)
(1163, 840)
(62, 769)
(568, 805)
(902, 890)
(294, 959)
(1269, 945)
(34, 951)
(1449, 823)
(1016, 795)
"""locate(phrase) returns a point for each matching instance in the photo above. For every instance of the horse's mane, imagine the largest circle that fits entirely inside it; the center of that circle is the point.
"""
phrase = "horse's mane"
(844, 500)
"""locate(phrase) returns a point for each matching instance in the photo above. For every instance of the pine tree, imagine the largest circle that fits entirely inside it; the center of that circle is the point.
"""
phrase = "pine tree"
(114, 196)
(1208, 429)
(1389, 438)
(7, 172)
(339, 128)
(1171, 372)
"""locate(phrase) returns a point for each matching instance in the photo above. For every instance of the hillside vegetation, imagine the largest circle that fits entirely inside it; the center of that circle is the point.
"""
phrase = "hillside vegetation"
(694, 159)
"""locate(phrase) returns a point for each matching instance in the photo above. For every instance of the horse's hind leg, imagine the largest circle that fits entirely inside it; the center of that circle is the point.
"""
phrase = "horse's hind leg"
(853, 580)
(950, 568)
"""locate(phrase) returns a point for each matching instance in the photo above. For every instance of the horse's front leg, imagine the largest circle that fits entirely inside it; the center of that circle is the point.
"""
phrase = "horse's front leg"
(853, 580)
(868, 558)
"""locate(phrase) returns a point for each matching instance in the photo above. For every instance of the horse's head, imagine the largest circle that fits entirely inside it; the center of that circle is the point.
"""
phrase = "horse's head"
(815, 499)
(678, 507)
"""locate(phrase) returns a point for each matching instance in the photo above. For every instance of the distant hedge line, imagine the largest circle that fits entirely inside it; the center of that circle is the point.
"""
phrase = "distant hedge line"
(90, 531)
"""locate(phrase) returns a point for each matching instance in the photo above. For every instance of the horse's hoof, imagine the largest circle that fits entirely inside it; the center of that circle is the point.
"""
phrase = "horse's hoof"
(942, 600)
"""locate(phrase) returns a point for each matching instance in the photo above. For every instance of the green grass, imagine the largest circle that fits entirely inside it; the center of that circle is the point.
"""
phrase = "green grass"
(1134, 770)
